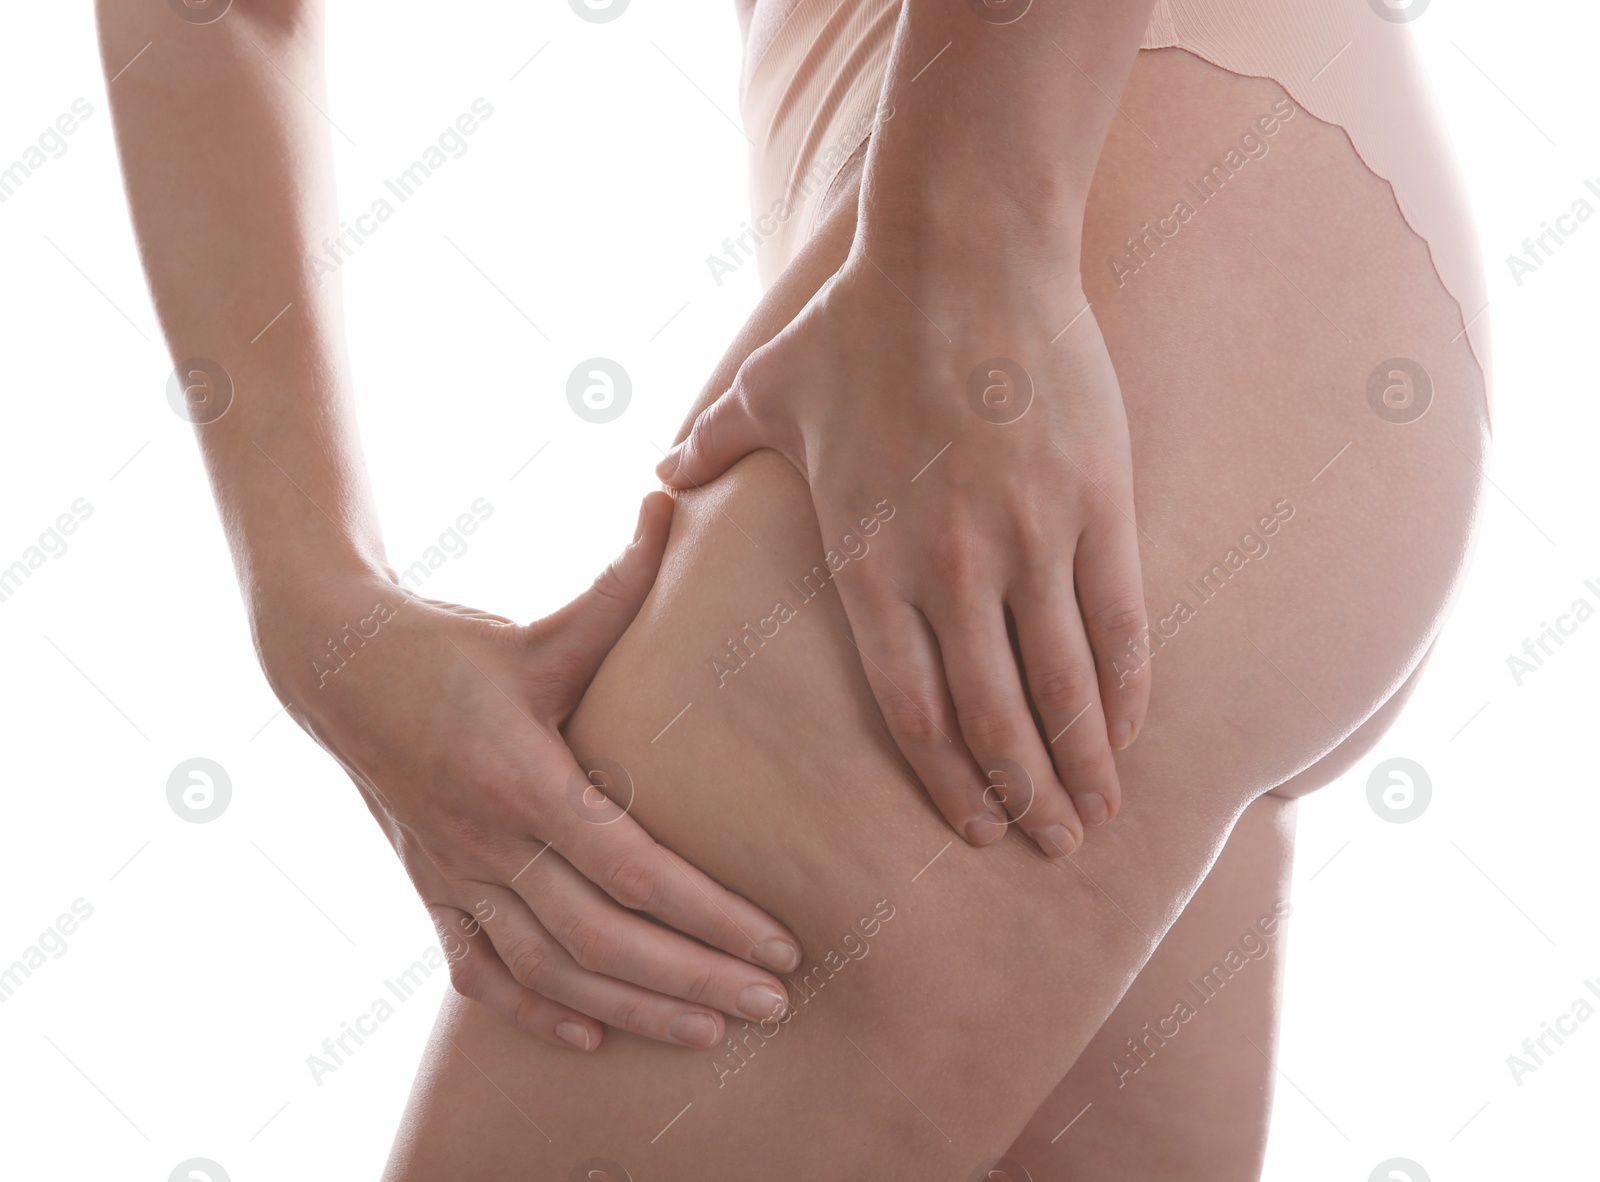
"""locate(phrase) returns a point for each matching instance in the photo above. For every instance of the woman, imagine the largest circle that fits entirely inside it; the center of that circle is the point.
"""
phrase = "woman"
(959, 1006)
(1307, 412)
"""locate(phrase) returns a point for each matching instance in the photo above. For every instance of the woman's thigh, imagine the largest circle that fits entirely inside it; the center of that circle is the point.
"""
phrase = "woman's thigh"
(1178, 1081)
(1207, 1116)
(1298, 553)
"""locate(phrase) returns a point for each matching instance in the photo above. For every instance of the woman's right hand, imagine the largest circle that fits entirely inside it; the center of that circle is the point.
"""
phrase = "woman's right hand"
(448, 719)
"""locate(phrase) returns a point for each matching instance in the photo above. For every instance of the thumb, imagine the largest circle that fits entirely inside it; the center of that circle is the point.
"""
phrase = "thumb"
(723, 433)
(579, 635)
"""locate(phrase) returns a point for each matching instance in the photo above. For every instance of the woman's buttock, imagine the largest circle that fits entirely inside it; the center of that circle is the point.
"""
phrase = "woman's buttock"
(1306, 425)
(1222, 210)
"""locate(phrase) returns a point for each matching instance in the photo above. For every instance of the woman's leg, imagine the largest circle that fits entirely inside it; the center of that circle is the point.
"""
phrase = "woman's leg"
(948, 990)
(1192, 1098)
(1178, 1081)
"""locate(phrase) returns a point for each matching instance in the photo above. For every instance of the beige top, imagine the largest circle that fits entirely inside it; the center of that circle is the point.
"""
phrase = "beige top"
(811, 98)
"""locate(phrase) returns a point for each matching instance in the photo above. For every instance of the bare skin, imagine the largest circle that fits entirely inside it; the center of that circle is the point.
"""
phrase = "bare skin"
(449, 724)
(449, 728)
(983, 997)
(578, 951)
(966, 248)
(1196, 1105)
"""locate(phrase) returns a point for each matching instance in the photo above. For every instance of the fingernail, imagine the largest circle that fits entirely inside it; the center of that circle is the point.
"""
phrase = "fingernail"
(1092, 808)
(1055, 840)
(760, 1002)
(638, 530)
(698, 1030)
(574, 1034)
(1120, 734)
(778, 955)
(984, 829)
(669, 463)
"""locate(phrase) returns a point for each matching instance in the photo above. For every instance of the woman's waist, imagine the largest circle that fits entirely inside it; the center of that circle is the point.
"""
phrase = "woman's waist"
(814, 70)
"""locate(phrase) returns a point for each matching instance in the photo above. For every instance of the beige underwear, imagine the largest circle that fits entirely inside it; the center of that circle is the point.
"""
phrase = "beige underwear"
(810, 100)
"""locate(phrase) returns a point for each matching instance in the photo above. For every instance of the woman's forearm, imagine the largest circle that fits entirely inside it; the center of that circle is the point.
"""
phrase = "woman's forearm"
(227, 159)
(991, 123)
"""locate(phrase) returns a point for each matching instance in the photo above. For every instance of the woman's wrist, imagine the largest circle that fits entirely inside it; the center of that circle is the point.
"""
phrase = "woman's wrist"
(936, 225)
(299, 564)
(285, 583)
(935, 204)
(989, 131)
(308, 626)
(938, 187)
(964, 261)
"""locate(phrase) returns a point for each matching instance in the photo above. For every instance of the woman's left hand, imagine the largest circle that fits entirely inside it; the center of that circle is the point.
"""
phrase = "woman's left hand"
(983, 413)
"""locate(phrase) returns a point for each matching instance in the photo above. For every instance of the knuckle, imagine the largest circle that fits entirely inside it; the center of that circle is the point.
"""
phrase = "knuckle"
(1037, 534)
(752, 377)
(1085, 765)
(527, 1013)
(957, 561)
(634, 881)
(911, 718)
(1061, 689)
(743, 396)
(611, 583)
(591, 944)
(703, 435)
(990, 730)
(530, 963)
(466, 977)
(768, 403)
(1121, 617)
(702, 988)
(483, 765)
(631, 1014)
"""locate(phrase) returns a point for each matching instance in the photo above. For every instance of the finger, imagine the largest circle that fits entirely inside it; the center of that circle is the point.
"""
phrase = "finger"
(478, 974)
(1110, 590)
(538, 962)
(1060, 672)
(901, 659)
(992, 710)
(578, 636)
(613, 851)
(722, 434)
(604, 938)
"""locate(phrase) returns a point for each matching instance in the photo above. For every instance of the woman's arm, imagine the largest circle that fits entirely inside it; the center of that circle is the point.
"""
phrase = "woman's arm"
(954, 363)
(992, 121)
(227, 161)
(446, 718)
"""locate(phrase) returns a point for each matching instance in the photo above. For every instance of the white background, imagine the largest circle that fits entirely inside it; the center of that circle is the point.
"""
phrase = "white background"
(178, 1021)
